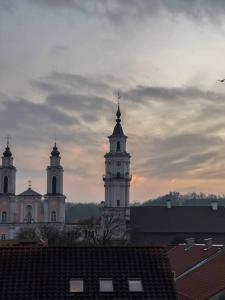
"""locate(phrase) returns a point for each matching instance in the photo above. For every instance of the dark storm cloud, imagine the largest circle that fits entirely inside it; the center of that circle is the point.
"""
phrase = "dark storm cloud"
(60, 81)
(179, 154)
(117, 10)
(7, 6)
(89, 107)
(33, 122)
(144, 93)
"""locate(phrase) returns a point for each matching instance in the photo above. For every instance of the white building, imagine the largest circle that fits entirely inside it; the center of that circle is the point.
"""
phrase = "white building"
(29, 207)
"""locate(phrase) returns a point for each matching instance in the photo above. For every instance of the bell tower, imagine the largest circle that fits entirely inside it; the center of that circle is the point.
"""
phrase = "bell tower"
(117, 168)
(54, 203)
(7, 172)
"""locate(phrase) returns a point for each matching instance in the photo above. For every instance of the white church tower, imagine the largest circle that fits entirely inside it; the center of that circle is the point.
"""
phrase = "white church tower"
(54, 204)
(117, 169)
(7, 173)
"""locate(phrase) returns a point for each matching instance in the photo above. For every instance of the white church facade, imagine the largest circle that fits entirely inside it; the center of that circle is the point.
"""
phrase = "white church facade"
(30, 207)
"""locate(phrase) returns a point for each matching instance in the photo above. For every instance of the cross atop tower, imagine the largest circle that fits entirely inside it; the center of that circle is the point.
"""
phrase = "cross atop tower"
(118, 95)
(29, 184)
(8, 137)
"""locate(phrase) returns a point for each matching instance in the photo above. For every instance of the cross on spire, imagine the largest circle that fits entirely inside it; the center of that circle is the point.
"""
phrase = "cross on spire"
(29, 184)
(8, 137)
(118, 97)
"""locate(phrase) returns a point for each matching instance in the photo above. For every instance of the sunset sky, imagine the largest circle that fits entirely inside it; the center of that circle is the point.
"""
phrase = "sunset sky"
(61, 62)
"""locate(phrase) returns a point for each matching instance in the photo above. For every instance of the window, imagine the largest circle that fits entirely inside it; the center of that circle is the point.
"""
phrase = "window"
(118, 175)
(53, 216)
(76, 285)
(29, 214)
(6, 184)
(118, 146)
(3, 237)
(135, 285)
(54, 185)
(118, 203)
(4, 217)
(118, 163)
(105, 285)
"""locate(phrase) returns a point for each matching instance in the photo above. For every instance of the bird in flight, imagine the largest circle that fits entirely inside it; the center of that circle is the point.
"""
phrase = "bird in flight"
(221, 80)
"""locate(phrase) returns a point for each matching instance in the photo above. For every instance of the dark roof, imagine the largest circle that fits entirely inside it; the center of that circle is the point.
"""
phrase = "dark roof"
(7, 152)
(44, 273)
(55, 151)
(177, 219)
(29, 192)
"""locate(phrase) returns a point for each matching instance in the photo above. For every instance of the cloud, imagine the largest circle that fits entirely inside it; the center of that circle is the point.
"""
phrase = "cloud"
(73, 82)
(144, 94)
(178, 155)
(118, 11)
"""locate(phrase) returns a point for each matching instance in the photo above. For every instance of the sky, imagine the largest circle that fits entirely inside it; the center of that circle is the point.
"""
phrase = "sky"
(61, 63)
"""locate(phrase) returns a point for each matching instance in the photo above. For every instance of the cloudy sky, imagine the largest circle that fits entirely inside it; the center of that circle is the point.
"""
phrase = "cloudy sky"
(61, 61)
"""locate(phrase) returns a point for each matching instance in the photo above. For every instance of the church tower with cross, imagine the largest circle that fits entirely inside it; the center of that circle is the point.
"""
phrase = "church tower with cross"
(7, 172)
(54, 203)
(117, 176)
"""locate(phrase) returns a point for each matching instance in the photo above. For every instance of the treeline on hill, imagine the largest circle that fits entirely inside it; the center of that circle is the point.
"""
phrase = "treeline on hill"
(189, 199)
(78, 211)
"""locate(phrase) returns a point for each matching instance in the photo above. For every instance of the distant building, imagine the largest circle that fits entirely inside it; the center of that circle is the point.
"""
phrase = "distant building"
(166, 225)
(30, 207)
(85, 273)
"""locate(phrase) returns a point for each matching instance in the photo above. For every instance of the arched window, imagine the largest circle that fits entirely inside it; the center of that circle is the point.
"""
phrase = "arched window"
(54, 185)
(29, 215)
(6, 183)
(53, 216)
(118, 146)
(4, 217)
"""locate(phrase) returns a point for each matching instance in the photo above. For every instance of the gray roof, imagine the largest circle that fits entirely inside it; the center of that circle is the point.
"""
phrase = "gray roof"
(177, 219)
(29, 192)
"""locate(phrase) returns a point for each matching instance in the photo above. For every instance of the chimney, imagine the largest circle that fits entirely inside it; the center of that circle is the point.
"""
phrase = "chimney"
(214, 205)
(189, 242)
(208, 243)
(168, 203)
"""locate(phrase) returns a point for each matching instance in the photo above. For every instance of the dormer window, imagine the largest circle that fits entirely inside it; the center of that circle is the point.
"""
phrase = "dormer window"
(105, 285)
(76, 286)
(118, 146)
(135, 285)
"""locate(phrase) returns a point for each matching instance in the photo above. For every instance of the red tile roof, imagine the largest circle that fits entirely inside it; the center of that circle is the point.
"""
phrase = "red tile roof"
(205, 281)
(182, 259)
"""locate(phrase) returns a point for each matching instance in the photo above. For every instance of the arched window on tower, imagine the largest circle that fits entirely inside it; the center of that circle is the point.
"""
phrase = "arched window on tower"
(6, 184)
(4, 217)
(118, 146)
(53, 216)
(54, 185)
